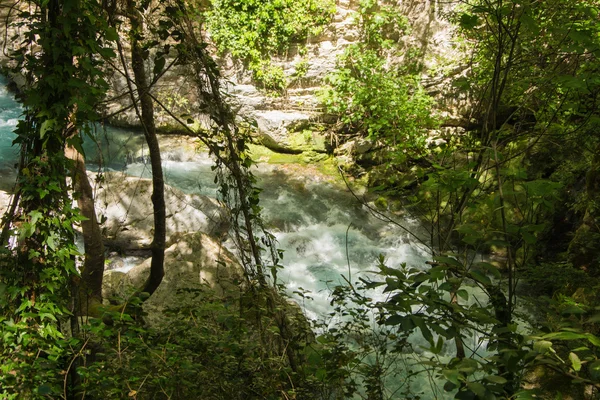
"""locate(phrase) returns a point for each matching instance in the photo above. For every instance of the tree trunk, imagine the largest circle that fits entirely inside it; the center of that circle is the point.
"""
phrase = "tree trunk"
(90, 286)
(147, 120)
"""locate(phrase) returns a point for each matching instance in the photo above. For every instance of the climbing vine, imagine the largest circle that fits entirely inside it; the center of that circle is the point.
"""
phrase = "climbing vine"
(64, 83)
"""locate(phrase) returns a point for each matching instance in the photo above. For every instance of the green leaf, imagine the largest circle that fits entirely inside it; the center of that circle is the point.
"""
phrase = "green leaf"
(480, 277)
(463, 294)
(594, 370)
(420, 323)
(496, 379)
(159, 65)
(111, 34)
(46, 126)
(35, 216)
(595, 340)
(50, 242)
(528, 237)
(394, 320)
(452, 375)
(527, 395)
(542, 346)
(468, 21)
(438, 347)
(448, 260)
(489, 267)
(44, 390)
(467, 365)
(438, 272)
(575, 361)
(477, 388)
(565, 335)
(593, 319)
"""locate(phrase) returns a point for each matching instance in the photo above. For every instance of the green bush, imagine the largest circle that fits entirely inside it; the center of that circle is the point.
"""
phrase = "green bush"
(255, 30)
(374, 96)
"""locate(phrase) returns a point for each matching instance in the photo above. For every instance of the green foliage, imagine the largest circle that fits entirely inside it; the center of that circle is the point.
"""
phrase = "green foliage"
(61, 57)
(206, 348)
(552, 278)
(373, 96)
(255, 30)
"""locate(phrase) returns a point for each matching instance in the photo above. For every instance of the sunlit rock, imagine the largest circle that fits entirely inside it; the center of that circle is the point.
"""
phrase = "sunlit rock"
(195, 262)
(125, 211)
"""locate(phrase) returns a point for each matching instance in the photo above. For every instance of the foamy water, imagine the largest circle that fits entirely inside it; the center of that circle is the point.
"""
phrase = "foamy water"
(327, 236)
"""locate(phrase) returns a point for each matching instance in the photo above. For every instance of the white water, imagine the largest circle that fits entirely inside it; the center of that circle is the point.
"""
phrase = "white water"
(324, 231)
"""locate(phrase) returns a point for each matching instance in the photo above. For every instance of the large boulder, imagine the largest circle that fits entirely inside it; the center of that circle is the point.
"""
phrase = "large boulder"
(195, 262)
(125, 210)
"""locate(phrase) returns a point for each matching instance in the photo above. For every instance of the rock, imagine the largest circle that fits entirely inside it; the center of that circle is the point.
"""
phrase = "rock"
(4, 201)
(356, 147)
(114, 285)
(125, 210)
(276, 123)
(194, 262)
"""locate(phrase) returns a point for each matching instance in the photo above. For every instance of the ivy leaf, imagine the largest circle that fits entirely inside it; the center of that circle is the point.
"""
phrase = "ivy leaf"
(46, 126)
(51, 243)
(35, 216)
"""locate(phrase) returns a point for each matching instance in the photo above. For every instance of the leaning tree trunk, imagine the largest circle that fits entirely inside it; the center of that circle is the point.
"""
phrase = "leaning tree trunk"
(146, 115)
(90, 286)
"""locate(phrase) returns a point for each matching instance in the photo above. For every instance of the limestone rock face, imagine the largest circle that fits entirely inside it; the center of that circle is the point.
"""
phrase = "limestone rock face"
(124, 206)
(278, 117)
(305, 65)
(193, 262)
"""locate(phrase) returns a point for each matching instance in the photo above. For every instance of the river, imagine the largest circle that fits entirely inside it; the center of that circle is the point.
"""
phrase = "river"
(324, 231)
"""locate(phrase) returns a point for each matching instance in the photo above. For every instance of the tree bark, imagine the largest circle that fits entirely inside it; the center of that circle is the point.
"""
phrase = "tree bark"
(147, 119)
(90, 286)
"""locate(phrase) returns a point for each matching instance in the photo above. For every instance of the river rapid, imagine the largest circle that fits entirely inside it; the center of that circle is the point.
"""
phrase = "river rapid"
(325, 232)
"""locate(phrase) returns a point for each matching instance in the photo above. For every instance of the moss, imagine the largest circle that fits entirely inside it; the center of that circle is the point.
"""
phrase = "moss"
(307, 140)
(381, 203)
(263, 154)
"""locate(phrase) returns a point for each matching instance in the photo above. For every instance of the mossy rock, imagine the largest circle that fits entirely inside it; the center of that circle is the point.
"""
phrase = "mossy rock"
(381, 203)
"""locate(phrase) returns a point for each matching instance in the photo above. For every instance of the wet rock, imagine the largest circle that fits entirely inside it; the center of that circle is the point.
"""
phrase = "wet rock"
(125, 210)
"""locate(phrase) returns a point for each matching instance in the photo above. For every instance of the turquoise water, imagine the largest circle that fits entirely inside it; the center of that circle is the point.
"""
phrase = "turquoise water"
(10, 111)
(324, 231)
